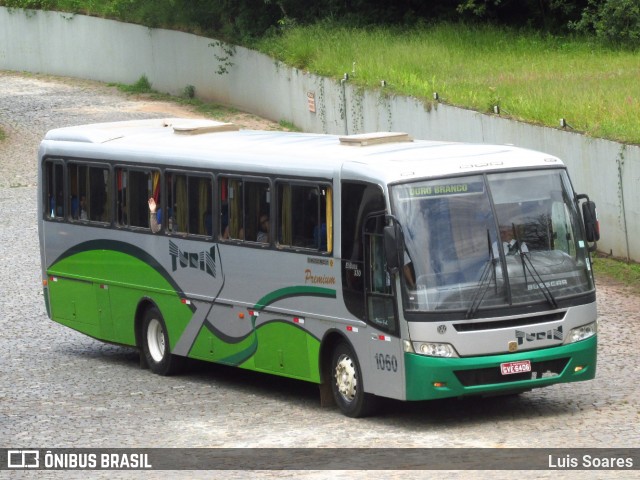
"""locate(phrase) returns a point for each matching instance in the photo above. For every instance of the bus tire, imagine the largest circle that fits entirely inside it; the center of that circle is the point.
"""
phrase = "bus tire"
(346, 383)
(155, 344)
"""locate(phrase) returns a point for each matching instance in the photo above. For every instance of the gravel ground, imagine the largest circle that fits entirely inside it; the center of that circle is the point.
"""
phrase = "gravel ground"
(62, 389)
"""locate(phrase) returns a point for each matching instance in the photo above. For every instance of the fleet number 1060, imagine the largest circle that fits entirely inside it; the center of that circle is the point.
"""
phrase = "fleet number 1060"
(386, 362)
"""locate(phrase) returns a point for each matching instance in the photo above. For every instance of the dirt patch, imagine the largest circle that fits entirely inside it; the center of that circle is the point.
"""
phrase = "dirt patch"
(126, 102)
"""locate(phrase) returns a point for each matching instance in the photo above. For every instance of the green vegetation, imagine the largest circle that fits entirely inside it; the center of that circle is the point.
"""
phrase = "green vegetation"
(285, 125)
(616, 22)
(627, 273)
(3, 135)
(143, 85)
(531, 76)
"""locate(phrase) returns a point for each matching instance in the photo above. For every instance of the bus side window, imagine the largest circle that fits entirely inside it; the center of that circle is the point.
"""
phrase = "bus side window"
(200, 203)
(302, 216)
(99, 200)
(257, 211)
(244, 205)
(232, 208)
(77, 191)
(189, 204)
(89, 193)
(54, 202)
(134, 188)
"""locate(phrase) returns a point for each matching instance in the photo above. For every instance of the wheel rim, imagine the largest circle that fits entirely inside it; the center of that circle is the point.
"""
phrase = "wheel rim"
(155, 340)
(346, 378)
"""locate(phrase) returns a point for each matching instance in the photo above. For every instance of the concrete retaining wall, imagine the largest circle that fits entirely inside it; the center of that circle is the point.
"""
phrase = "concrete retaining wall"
(109, 51)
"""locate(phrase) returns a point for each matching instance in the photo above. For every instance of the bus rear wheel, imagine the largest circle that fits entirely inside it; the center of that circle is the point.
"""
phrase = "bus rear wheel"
(346, 383)
(155, 344)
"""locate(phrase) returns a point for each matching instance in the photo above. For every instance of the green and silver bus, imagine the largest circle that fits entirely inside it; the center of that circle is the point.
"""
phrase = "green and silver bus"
(373, 265)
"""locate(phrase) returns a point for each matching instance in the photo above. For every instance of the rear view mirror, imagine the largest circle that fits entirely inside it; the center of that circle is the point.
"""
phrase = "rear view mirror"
(393, 246)
(591, 225)
(590, 219)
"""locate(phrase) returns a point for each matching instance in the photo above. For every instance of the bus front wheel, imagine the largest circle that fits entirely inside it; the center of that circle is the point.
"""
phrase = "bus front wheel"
(155, 344)
(346, 383)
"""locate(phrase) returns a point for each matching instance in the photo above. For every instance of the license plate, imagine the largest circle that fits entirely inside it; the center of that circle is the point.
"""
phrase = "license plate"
(510, 368)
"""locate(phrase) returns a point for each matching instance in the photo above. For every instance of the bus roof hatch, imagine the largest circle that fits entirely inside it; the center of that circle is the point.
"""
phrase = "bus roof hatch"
(195, 127)
(364, 139)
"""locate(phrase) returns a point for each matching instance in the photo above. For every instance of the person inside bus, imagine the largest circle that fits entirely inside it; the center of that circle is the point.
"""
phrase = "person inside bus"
(263, 229)
(155, 216)
(409, 272)
(56, 205)
(83, 208)
(508, 242)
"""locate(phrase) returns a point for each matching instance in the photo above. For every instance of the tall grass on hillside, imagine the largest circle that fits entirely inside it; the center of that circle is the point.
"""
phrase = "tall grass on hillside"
(531, 76)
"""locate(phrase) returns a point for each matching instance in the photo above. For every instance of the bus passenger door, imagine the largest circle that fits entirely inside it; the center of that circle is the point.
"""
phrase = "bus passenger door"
(385, 352)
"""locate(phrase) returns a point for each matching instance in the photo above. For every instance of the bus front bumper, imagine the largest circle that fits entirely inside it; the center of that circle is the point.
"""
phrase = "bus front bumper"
(431, 377)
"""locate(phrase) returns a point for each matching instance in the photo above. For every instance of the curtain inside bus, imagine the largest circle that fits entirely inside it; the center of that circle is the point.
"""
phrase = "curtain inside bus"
(329, 219)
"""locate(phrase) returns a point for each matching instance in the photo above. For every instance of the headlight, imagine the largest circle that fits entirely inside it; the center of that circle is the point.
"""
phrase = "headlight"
(582, 333)
(435, 349)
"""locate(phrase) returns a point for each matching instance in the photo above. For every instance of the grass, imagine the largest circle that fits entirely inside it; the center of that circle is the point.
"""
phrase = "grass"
(286, 125)
(620, 271)
(143, 85)
(3, 135)
(532, 77)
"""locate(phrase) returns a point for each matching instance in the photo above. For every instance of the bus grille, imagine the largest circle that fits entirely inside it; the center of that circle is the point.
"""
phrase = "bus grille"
(492, 375)
(514, 322)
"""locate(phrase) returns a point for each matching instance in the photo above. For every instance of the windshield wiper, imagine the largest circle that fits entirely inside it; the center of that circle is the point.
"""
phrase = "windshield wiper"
(527, 264)
(485, 281)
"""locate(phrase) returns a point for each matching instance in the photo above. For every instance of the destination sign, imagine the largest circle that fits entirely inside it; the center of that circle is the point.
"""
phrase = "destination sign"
(453, 188)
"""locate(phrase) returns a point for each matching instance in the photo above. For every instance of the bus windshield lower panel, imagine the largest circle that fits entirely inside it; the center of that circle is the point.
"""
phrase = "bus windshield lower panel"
(491, 241)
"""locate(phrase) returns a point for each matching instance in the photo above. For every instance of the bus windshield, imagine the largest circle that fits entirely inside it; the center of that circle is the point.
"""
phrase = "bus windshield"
(491, 240)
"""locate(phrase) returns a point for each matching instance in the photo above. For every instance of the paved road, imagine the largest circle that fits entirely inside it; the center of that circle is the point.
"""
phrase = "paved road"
(62, 389)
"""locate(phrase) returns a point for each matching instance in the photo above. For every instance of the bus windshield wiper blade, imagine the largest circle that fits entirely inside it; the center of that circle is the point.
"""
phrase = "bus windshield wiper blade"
(485, 281)
(527, 265)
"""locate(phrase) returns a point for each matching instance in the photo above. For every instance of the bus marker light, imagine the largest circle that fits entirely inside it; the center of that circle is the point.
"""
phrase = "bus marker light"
(384, 338)
(352, 329)
(53, 279)
(578, 368)
(104, 287)
(185, 301)
(241, 315)
(439, 384)
(45, 282)
(298, 320)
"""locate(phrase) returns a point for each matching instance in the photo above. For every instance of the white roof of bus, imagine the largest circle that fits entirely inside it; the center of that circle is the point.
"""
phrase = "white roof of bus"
(276, 152)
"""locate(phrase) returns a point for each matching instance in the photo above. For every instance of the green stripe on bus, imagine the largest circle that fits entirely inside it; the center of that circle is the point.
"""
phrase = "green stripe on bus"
(296, 291)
